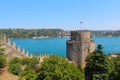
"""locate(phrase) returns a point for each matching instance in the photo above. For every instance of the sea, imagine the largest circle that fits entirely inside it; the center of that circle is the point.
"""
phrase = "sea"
(58, 45)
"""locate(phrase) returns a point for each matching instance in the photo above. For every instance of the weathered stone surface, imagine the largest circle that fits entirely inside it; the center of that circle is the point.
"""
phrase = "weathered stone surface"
(79, 47)
(11, 50)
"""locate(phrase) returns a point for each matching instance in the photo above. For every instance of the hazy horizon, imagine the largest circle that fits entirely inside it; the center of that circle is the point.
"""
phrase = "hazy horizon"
(61, 29)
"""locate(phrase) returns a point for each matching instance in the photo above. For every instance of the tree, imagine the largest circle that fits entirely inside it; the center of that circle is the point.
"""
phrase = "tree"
(31, 67)
(56, 68)
(15, 66)
(2, 61)
(2, 51)
(33, 63)
(25, 67)
(98, 66)
(30, 63)
(100, 49)
(25, 61)
(116, 73)
(2, 57)
(15, 60)
(27, 75)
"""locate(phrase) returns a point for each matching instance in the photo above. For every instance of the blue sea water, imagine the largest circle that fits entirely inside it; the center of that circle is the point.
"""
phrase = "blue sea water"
(46, 46)
(58, 45)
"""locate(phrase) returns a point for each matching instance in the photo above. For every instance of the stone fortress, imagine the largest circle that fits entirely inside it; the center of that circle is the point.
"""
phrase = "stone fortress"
(79, 47)
(11, 50)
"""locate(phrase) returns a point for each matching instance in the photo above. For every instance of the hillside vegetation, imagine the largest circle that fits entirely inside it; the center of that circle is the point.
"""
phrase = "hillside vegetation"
(30, 33)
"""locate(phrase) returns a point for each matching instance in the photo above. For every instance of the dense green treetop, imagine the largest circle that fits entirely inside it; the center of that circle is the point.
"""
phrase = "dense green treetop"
(29, 33)
(99, 66)
(26, 67)
(56, 68)
(15, 66)
(2, 61)
(2, 57)
(116, 73)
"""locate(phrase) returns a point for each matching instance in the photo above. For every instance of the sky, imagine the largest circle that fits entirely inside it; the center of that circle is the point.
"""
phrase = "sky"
(62, 14)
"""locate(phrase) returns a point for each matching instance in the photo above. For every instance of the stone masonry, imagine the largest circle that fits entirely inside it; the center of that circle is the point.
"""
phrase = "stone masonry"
(11, 50)
(79, 47)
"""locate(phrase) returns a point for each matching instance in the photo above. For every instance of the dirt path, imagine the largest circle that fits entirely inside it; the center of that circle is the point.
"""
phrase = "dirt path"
(5, 75)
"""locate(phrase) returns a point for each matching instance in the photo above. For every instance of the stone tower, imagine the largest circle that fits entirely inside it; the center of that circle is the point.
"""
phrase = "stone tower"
(79, 47)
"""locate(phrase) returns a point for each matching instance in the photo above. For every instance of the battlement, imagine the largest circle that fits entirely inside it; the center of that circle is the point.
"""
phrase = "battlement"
(12, 50)
(80, 35)
(79, 31)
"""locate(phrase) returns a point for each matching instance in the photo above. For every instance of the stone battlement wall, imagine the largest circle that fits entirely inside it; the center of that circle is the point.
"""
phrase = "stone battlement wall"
(15, 51)
(79, 31)
(80, 35)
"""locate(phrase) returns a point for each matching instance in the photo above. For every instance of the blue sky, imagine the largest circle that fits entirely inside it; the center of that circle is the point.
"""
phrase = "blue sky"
(64, 14)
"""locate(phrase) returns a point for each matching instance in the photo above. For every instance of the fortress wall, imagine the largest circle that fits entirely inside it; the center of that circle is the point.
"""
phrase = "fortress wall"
(80, 35)
(92, 46)
(27, 54)
(18, 49)
(70, 50)
(41, 57)
(8, 42)
(11, 49)
(85, 47)
(31, 56)
(74, 51)
(13, 45)
(79, 47)
(15, 51)
(23, 51)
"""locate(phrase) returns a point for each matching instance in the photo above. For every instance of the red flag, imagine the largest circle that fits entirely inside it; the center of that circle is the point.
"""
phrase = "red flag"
(81, 22)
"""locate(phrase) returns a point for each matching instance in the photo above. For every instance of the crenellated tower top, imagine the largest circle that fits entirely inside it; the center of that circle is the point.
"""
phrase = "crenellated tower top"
(80, 35)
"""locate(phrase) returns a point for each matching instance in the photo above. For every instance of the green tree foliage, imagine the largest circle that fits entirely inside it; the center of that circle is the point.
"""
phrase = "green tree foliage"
(15, 66)
(56, 68)
(33, 63)
(15, 60)
(29, 33)
(98, 66)
(27, 75)
(2, 57)
(2, 51)
(106, 33)
(25, 61)
(116, 73)
(30, 63)
(26, 67)
(2, 61)
(31, 67)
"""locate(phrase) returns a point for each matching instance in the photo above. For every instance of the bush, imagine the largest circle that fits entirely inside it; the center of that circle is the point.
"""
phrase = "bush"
(56, 68)
(2, 61)
(14, 66)
(27, 75)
